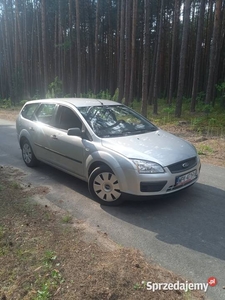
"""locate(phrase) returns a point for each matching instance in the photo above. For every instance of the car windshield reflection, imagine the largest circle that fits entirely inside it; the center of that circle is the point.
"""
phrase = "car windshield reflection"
(115, 121)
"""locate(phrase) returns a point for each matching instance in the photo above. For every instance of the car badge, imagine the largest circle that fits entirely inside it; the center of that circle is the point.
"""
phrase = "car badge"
(185, 165)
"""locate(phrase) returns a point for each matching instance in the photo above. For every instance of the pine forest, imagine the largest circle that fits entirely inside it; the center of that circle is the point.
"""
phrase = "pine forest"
(142, 50)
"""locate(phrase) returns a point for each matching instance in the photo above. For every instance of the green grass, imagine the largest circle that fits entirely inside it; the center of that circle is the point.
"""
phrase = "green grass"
(67, 219)
(49, 257)
(206, 120)
(52, 279)
(4, 245)
(1, 232)
(15, 185)
(204, 149)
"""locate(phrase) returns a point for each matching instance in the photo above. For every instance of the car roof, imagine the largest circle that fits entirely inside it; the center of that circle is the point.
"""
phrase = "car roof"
(77, 102)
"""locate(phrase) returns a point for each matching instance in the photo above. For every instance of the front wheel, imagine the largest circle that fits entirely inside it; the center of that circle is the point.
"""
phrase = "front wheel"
(104, 186)
(28, 154)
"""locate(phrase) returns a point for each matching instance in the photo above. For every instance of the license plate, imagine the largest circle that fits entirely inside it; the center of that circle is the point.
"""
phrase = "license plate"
(186, 178)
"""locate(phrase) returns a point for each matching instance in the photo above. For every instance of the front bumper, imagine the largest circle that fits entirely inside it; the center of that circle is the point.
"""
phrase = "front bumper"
(159, 184)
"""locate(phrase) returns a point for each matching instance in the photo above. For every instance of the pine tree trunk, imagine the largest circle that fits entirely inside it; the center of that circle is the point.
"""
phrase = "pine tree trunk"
(8, 54)
(96, 86)
(127, 51)
(44, 53)
(133, 49)
(183, 53)
(197, 56)
(174, 47)
(110, 50)
(121, 61)
(71, 85)
(145, 67)
(159, 40)
(214, 52)
(78, 49)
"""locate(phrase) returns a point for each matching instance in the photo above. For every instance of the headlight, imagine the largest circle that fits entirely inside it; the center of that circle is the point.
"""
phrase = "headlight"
(147, 167)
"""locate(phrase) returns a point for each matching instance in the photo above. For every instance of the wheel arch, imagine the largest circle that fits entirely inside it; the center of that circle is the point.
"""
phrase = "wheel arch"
(102, 158)
(24, 135)
(105, 159)
(97, 164)
(22, 139)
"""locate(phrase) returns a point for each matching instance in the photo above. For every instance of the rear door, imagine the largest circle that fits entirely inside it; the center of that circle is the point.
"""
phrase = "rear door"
(41, 130)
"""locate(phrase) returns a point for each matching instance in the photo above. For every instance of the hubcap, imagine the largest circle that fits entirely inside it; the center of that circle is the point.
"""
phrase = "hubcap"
(27, 154)
(106, 187)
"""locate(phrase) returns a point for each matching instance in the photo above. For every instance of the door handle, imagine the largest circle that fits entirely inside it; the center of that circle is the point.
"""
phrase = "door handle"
(54, 137)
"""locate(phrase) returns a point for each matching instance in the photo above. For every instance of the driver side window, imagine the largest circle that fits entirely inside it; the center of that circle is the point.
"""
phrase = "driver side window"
(66, 119)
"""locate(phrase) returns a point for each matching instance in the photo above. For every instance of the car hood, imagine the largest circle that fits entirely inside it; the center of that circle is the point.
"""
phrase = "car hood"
(158, 146)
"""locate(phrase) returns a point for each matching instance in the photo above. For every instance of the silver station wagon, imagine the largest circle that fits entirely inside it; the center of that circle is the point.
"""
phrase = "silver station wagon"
(115, 149)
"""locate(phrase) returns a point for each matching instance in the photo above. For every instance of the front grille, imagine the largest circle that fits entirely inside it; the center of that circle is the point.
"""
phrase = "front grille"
(183, 165)
(152, 186)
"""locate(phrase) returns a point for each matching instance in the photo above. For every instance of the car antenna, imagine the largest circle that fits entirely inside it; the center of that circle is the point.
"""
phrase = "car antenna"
(100, 102)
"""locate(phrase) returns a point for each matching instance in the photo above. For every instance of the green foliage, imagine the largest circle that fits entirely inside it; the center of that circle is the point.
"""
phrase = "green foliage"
(203, 149)
(221, 91)
(4, 246)
(207, 109)
(37, 95)
(169, 111)
(200, 97)
(1, 232)
(116, 95)
(66, 45)
(55, 89)
(43, 293)
(104, 95)
(88, 95)
(67, 219)
(5, 103)
(139, 286)
(221, 87)
(15, 185)
(49, 257)
(22, 102)
(196, 122)
(101, 95)
(49, 283)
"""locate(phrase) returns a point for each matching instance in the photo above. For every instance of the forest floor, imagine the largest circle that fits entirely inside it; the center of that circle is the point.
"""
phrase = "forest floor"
(47, 254)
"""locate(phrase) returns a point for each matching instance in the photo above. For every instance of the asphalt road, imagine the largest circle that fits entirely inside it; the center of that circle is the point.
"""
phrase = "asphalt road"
(184, 232)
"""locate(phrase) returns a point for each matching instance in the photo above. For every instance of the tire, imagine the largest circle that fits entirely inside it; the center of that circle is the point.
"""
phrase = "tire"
(28, 154)
(104, 186)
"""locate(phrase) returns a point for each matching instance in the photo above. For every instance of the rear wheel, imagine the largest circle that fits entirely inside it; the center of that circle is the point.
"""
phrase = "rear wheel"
(28, 154)
(104, 186)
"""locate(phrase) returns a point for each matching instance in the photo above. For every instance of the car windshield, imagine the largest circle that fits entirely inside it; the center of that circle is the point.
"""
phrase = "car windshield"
(115, 120)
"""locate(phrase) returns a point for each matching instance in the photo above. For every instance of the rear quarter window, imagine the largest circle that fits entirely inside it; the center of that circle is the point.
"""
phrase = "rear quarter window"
(28, 110)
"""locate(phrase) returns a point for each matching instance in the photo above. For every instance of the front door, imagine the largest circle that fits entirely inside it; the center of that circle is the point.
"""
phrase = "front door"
(67, 152)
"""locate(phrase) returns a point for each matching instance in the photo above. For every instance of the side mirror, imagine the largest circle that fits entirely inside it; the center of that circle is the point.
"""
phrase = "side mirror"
(74, 132)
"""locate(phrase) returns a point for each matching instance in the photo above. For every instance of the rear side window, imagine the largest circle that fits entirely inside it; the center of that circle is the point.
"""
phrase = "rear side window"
(45, 113)
(28, 111)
